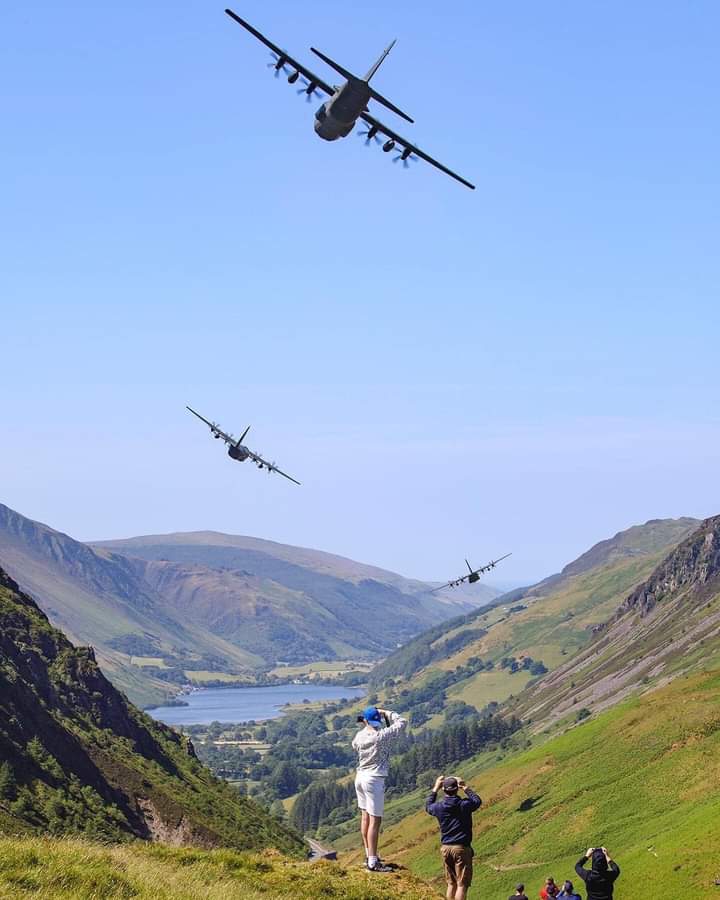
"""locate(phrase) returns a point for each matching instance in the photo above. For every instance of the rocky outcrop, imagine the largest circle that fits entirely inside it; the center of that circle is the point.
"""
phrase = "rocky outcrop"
(694, 564)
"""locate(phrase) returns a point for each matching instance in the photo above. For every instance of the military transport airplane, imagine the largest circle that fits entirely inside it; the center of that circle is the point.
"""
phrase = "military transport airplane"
(473, 574)
(337, 117)
(237, 450)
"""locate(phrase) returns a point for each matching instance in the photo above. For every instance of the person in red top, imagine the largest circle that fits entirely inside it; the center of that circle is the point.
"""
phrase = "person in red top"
(549, 890)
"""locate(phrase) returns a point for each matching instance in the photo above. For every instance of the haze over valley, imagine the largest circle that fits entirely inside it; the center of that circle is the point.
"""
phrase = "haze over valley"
(166, 610)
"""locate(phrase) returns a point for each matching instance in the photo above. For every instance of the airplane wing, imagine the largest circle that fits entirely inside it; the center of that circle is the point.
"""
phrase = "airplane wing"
(228, 438)
(408, 149)
(454, 583)
(271, 467)
(283, 58)
(491, 565)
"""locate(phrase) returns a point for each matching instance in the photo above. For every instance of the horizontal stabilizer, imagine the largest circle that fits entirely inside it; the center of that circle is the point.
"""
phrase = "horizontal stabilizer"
(389, 105)
(333, 65)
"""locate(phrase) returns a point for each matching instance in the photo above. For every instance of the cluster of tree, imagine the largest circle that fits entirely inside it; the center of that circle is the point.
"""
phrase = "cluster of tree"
(435, 751)
(525, 664)
(228, 760)
(300, 746)
(325, 802)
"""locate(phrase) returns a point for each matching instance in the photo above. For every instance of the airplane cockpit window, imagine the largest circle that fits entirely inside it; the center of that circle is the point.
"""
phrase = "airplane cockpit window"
(321, 114)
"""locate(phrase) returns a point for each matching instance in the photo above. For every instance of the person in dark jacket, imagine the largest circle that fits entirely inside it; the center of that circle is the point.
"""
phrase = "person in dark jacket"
(568, 892)
(455, 818)
(519, 893)
(600, 880)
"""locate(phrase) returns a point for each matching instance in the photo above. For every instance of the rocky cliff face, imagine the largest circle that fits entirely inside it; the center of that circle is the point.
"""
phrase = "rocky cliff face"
(76, 757)
(668, 626)
(694, 565)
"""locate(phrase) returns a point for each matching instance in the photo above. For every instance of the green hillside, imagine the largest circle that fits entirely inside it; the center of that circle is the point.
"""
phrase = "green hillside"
(77, 758)
(642, 779)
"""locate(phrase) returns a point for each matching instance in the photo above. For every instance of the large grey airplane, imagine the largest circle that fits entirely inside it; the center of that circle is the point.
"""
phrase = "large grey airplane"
(337, 117)
(237, 450)
(473, 574)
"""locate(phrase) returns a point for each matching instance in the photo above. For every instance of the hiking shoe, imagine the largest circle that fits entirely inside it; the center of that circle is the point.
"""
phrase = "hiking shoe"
(381, 867)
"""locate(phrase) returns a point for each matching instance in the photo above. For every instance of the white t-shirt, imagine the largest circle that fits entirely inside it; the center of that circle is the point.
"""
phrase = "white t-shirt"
(374, 746)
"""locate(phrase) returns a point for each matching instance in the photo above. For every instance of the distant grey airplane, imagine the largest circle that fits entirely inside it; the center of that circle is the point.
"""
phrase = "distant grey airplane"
(337, 116)
(237, 450)
(473, 574)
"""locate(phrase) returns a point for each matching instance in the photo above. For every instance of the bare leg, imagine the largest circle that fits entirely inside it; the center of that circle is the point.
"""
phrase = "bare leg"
(373, 833)
(364, 825)
(460, 892)
(450, 894)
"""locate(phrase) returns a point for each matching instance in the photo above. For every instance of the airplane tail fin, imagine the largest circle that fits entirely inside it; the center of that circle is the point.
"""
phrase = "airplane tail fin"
(243, 436)
(469, 566)
(377, 65)
(373, 93)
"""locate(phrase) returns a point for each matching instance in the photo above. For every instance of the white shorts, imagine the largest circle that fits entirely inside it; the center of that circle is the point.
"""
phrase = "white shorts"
(370, 790)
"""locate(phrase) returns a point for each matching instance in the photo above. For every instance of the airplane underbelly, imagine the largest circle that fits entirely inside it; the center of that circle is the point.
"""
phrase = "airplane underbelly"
(331, 129)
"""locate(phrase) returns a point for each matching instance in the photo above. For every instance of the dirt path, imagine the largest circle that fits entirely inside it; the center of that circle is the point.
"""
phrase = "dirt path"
(317, 851)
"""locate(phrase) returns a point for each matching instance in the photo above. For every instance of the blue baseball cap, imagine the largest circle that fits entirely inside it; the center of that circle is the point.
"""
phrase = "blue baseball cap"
(372, 716)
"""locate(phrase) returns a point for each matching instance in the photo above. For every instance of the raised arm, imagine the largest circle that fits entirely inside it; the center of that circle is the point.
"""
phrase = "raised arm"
(580, 867)
(394, 729)
(472, 799)
(432, 796)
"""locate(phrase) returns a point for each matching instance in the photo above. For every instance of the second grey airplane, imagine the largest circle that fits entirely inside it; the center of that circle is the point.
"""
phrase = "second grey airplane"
(337, 117)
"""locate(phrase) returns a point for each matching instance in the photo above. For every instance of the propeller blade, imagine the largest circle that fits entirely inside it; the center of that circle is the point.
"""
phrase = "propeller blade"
(369, 136)
(406, 159)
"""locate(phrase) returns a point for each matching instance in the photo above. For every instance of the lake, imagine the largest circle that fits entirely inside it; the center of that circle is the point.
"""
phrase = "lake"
(242, 704)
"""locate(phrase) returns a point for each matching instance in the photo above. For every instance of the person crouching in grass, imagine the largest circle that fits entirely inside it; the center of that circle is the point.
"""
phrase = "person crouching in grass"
(455, 818)
(373, 744)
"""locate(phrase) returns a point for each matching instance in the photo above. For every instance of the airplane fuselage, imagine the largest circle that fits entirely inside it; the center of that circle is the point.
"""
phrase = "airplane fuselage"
(336, 118)
(239, 453)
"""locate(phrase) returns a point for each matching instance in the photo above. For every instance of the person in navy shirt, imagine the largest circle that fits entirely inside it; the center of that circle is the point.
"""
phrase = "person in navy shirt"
(455, 818)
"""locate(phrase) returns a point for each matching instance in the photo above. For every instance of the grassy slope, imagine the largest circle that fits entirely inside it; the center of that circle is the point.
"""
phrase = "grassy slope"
(642, 779)
(74, 870)
(77, 748)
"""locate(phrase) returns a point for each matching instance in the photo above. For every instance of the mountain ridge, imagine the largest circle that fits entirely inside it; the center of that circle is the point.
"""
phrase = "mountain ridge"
(223, 604)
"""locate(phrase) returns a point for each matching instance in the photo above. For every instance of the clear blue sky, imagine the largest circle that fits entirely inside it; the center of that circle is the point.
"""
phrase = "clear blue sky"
(530, 367)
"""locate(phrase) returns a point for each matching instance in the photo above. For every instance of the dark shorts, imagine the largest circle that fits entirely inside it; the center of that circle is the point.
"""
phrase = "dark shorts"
(458, 863)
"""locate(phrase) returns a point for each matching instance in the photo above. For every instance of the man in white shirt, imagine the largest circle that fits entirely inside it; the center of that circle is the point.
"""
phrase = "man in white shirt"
(373, 744)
